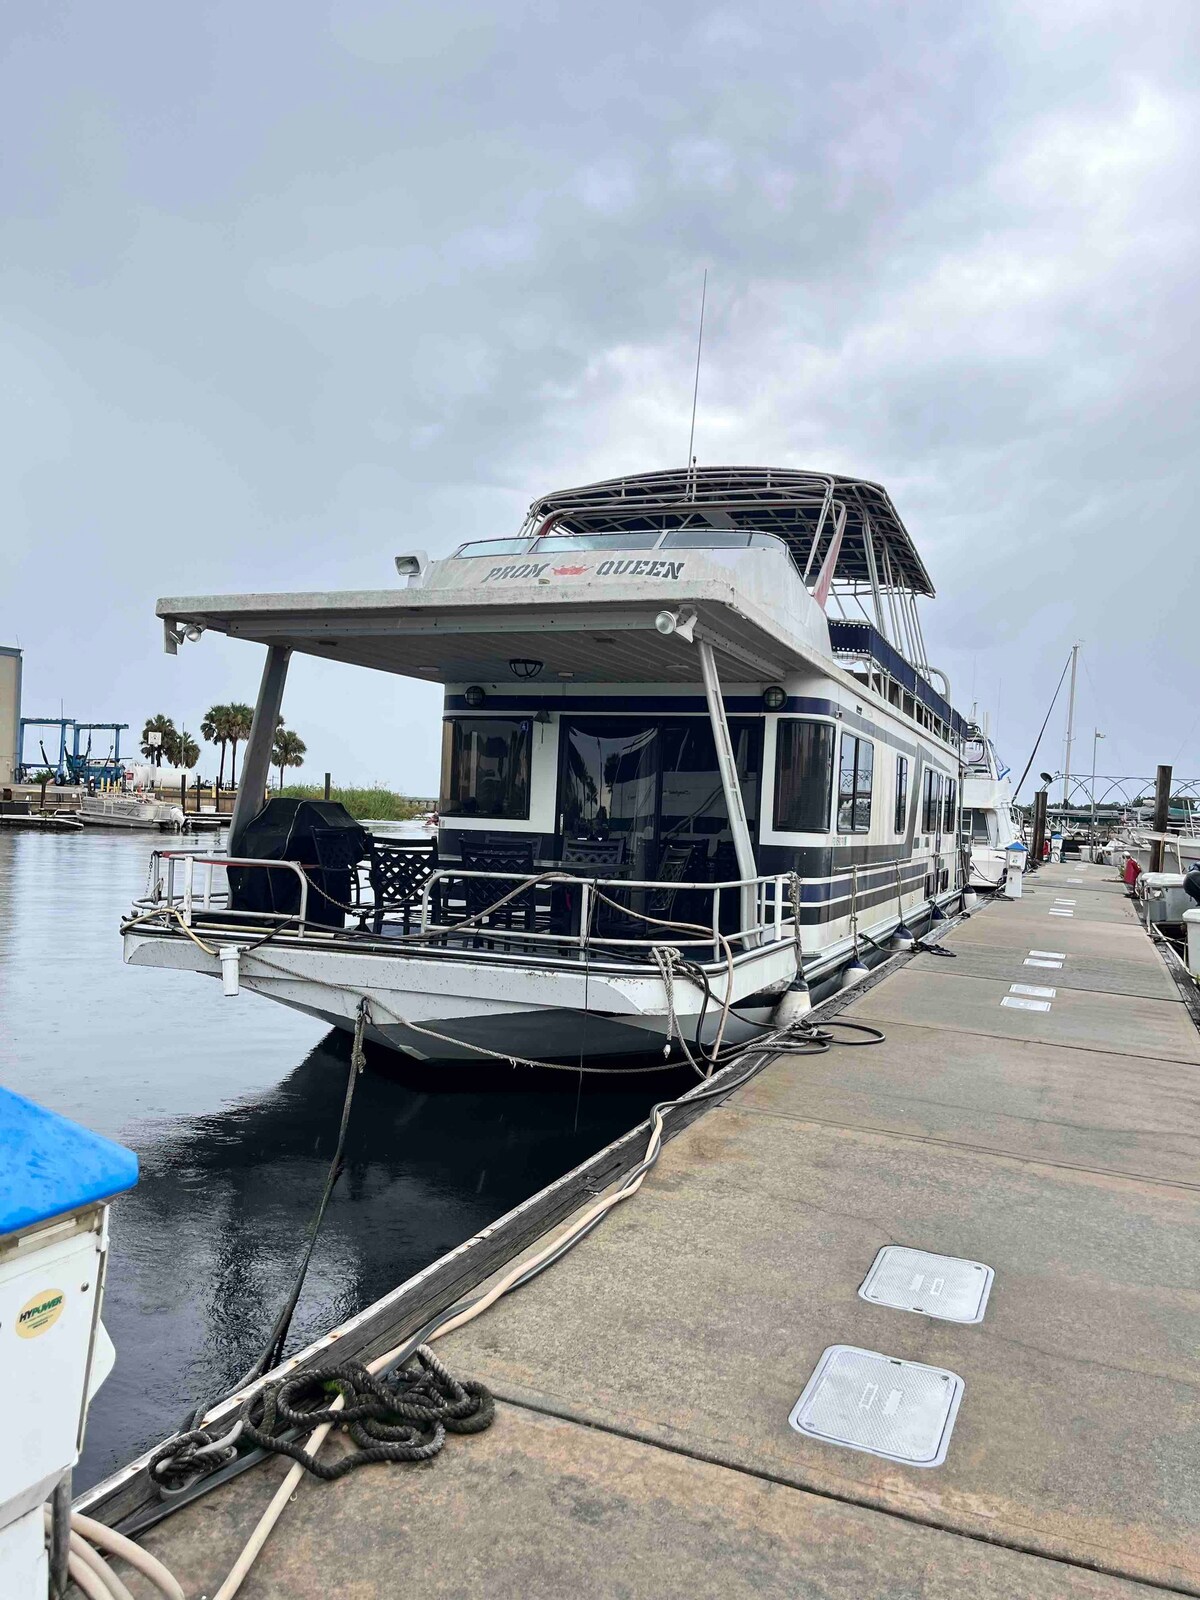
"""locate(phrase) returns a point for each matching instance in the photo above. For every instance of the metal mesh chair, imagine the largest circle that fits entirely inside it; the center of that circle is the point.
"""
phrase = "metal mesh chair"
(398, 874)
(339, 851)
(513, 860)
(597, 858)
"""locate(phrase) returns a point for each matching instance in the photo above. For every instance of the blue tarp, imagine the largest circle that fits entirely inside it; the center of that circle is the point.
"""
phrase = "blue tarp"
(863, 639)
(50, 1165)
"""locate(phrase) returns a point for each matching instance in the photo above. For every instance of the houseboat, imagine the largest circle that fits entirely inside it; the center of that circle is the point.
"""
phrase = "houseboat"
(694, 760)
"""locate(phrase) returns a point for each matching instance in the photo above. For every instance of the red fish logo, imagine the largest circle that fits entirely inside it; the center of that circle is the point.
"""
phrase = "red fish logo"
(567, 572)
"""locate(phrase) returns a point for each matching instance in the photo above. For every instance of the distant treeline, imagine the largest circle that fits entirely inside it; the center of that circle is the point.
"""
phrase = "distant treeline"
(376, 805)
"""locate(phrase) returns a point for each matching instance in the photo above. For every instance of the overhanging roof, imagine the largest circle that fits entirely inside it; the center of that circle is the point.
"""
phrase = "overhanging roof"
(789, 502)
(431, 635)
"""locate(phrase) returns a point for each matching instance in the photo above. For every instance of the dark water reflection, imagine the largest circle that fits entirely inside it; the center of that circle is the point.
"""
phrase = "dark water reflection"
(232, 1107)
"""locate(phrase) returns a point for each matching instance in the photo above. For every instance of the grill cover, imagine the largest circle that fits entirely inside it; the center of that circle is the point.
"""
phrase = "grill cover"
(283, 831)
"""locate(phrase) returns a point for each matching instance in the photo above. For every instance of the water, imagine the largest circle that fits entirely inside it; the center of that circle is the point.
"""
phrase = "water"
(232, 1106)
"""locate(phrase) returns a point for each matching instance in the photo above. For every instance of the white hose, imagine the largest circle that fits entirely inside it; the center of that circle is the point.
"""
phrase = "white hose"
(93, 1574)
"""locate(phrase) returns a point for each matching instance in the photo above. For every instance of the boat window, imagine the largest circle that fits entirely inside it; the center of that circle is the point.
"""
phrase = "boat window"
(901, 793)
(721, 539)
(931, 806)
(975, 825)
(557, 543)
(854, 784)
(485, 767)
(975, 754)
(493, 547)
(692, 807)
(803, 775)
(609, 786)
(950, 806)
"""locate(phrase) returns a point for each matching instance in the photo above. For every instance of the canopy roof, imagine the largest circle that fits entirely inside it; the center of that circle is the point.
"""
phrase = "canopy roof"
(801, 507)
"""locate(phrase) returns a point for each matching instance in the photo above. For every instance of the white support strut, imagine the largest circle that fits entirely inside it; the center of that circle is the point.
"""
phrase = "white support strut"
(727, 766)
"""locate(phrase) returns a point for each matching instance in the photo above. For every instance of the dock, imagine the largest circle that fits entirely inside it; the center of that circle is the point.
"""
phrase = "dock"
(642, 1444)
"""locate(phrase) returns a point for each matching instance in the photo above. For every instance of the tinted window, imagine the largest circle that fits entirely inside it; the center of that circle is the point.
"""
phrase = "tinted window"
(485, 767)
(951, 806)
(975, 824)
(493, 547)
(554, 544)
(932, 801)
(901, 793)
(803, 775)
(855, 772)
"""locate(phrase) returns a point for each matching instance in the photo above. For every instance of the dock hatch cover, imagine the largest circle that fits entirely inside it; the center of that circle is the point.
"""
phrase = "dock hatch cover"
(937, 1286)
(900, 1410)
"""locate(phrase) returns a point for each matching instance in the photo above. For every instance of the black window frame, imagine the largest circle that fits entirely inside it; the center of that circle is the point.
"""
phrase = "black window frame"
(949, 804)
(931, 809)
(900, 820)
(858, 796)
(794, 811)
(515, 810)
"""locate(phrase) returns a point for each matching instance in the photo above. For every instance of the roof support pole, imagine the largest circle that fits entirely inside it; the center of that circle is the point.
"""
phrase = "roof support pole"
(727, 765)
(256, 763)
(873, 571)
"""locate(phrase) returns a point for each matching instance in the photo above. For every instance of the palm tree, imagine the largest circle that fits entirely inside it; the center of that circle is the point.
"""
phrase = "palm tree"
(166, 745)
(215, 730)
(289, 750)
(241, 718)
(187, 752)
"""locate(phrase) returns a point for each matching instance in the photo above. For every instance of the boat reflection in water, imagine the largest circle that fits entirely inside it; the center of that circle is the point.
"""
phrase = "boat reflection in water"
(206, 1248)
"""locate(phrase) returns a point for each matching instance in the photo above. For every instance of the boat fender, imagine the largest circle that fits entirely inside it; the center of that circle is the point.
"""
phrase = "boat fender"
(903, 938)
(969, 900)
(795, 1002)
(854, 973)
(229, 954)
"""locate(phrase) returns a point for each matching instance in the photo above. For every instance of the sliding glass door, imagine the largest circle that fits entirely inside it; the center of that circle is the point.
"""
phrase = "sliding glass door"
(654, 783)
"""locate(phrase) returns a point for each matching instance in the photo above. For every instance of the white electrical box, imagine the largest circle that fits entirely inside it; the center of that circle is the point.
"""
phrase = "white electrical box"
(56, 1180)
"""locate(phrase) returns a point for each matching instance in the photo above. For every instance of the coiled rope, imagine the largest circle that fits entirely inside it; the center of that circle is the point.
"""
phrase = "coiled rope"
(403, 1418)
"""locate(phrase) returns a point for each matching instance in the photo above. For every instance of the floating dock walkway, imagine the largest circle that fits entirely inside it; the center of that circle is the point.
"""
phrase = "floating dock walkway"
(1034, 1111)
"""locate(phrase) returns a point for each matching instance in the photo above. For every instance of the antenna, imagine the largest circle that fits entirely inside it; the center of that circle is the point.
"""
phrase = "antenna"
(696, 387)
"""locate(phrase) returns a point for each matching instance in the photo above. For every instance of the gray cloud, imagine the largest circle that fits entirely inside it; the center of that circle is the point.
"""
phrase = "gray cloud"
(285, 289)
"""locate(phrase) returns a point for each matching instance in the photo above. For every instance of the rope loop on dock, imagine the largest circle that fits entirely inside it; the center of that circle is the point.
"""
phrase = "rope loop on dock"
(405, 1417)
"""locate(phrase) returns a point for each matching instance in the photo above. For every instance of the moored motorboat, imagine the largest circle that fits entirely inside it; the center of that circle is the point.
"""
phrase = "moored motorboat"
(988, 823)
(130, 811)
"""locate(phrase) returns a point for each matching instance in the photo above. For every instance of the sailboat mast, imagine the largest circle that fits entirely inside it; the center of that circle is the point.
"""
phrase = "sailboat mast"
(1070, 727)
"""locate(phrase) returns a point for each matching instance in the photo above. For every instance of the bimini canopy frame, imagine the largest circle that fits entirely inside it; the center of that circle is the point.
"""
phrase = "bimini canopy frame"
(877, 575)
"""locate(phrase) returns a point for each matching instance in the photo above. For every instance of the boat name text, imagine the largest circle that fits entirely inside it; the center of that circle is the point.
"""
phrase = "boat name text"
(607, 569)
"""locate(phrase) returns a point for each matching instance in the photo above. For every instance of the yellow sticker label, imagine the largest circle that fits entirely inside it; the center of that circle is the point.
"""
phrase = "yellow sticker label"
(40, 1313)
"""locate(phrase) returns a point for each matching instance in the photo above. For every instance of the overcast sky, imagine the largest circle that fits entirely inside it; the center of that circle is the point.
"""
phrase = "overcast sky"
(286, 289)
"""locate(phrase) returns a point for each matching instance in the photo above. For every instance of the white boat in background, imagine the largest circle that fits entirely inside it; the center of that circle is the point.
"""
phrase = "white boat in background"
(673, 787)
(130, 811)
(988, 823)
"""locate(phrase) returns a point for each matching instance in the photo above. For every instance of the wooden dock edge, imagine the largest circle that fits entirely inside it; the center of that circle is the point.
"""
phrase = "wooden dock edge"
(120, 1497)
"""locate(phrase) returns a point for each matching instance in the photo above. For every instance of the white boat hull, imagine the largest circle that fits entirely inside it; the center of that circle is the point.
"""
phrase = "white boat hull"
(99, 811)
(463, 1006)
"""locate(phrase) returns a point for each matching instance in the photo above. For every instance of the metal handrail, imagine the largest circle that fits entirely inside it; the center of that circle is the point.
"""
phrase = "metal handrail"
(770, 898)
(188, 895)
(589, 883)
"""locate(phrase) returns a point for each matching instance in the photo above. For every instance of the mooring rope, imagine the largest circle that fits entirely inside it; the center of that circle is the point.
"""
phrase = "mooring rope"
(404, 1417)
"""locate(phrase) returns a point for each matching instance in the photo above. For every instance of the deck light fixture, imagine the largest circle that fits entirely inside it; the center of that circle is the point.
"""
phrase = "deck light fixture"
(668, 622)
(774, 698)
(524, 669)
(474, 696)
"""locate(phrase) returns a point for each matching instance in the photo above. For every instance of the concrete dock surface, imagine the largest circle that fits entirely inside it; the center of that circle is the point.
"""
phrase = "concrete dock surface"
(642, 1445)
